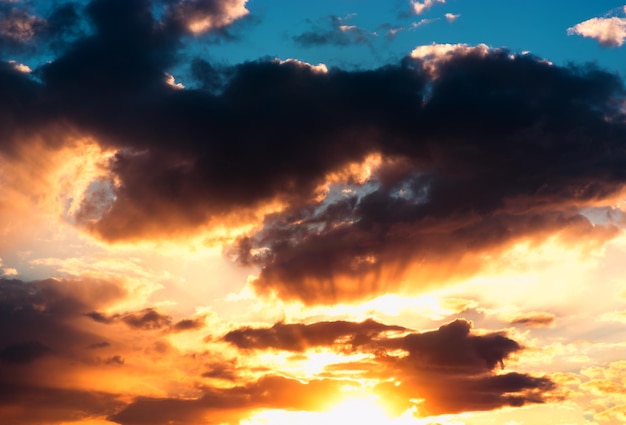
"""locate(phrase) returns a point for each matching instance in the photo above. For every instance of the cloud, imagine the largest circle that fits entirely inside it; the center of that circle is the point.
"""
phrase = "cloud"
(451, 17)
(604, 384)
(200, 16)
(57, 359)
(299, 337)
(230, 405)
(147, 319)
(25, 352)
(449, 369)
(468, 163)
(17, 25)
(339, 34)
(393, 30)
(420, 7)
(20, 28)
(421, 211)
(608, 31)
(534, 320)
(34, 405)
(432, 56)
(42, 345)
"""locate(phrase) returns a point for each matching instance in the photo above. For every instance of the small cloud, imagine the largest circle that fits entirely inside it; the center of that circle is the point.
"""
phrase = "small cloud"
(20, 67)
(98, 345)
(9, 271)
(201, 16)
(116, 360)
(609, 32)
(337, 33)
(420, 7)
(146, 319)
(451, 17)
(534, 320)
(188, 325)
(392, 31)
(171, 81)
(423, 22)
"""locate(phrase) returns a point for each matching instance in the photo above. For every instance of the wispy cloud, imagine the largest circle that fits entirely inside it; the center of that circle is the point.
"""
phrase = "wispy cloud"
(334, 31)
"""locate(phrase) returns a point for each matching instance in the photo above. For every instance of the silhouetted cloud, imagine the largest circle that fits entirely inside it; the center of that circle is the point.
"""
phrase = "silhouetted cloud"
(449, 369)
(228, 405)
(484, 163)
(147, 319)
(534, 320)
(299, 337)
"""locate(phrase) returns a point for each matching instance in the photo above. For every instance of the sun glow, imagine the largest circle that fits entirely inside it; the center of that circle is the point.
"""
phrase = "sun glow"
(358, 406)
(362, 408)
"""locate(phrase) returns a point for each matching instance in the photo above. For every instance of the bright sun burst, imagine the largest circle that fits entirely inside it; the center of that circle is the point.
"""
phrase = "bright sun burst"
(358, 408)
(364, 409)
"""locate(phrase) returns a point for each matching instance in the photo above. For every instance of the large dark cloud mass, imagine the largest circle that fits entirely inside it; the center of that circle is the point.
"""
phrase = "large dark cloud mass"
(351, 184)
(477, 151)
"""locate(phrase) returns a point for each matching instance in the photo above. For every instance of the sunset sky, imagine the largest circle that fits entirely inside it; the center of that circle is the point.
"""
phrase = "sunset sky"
(277, 212)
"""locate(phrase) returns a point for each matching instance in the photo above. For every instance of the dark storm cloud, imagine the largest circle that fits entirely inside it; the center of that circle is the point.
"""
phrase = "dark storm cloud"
(334, 32)
(221, 166)
(504, 149)
(479, 151)
(299, 337)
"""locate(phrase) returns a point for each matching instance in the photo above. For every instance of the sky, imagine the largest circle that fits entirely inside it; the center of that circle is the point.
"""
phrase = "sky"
(259, 212)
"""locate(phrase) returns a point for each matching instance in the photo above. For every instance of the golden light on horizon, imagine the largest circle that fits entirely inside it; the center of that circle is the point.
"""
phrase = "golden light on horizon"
(362, 407)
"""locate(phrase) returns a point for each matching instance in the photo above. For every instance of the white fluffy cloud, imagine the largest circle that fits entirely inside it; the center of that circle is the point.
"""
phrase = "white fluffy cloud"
(420, 6)
(609, 32)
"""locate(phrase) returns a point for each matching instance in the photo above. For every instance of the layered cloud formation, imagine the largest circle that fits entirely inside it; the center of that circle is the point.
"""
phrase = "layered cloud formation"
(335, 186)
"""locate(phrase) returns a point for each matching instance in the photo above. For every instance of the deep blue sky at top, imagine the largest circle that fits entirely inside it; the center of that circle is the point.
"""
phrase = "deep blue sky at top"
(537, 26)
(273, 27)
